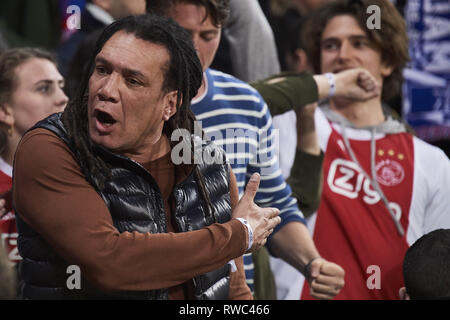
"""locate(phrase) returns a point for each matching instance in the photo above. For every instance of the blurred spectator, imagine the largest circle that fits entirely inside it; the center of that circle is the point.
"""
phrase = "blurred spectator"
(289, 43)
(426, 89)
(96, 15)
(30, 23)
(247, 49)
(286, 22)
(3, 42)
(79, 63)
(426, 268)
(306, 6)
(30, 90)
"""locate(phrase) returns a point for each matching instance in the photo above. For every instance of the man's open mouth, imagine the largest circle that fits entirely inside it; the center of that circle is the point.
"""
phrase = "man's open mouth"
(104, 118)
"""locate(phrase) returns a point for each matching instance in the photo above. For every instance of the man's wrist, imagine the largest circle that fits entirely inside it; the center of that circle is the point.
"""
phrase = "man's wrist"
(331, 83)
(307, 268)
(249, 231)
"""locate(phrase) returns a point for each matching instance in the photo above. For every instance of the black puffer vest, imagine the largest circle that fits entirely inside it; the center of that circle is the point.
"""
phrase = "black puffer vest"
(135, 204)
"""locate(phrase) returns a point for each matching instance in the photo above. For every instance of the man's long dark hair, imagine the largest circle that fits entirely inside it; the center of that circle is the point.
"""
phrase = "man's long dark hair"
(184, 74)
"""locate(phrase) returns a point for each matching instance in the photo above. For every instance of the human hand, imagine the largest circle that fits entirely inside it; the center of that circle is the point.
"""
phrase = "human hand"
(261, 220)
(5, 202)
(356, 84)
(2, 207)
(325, 278)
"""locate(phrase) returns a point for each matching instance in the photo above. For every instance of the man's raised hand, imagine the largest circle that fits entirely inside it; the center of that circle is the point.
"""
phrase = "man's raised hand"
(261, 220)
(357, 84)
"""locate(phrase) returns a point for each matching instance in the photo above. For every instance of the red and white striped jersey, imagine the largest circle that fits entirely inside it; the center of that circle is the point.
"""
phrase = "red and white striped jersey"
(352, 226)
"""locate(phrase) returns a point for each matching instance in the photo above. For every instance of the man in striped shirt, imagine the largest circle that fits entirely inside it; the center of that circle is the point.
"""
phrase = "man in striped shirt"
(235, 116)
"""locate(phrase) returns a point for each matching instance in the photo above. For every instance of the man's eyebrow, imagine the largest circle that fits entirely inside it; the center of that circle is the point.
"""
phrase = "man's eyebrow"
(359, 37)
(213, 31)
(102, 60)
(125, 71)
(133, 73)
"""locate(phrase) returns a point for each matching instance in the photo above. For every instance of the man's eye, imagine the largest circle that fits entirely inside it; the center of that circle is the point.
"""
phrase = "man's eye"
(330, 46)
(133, 82)
(360, 44)
(209, 37)
(100, 70)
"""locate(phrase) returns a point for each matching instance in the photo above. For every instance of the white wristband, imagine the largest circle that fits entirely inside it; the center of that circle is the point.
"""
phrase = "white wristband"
(332, 83)
(250, 232)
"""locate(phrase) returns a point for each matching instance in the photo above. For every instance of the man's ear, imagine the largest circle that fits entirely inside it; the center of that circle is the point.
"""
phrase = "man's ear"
(403, 295)
(302, 60)
(6, 114)
(170, 105)
(386, 70)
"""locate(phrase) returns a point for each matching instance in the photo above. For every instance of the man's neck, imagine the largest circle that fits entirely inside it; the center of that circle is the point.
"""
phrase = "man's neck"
(155, 151)
(202, 89)
(361, 114)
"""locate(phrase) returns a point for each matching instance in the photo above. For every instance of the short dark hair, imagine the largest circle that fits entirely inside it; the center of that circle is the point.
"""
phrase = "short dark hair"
(390, 40)
(219, 10)
(426, 267)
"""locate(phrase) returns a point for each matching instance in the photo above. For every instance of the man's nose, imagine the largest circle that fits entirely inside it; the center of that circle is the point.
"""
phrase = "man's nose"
(109, 88)
(345, 51)
(196, 42)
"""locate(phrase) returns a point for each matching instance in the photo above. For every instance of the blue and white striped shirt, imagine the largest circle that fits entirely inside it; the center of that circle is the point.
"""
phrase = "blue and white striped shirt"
(235, 117)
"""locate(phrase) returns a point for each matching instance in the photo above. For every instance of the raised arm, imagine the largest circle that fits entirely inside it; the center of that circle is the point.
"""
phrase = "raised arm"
(288, 91)
(300, 92)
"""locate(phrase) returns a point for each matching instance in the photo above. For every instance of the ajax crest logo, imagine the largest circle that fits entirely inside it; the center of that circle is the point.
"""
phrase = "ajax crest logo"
(389, 172)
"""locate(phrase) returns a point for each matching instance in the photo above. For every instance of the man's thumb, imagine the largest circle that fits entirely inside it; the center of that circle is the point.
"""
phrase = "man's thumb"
(314, 270)
(252, 186)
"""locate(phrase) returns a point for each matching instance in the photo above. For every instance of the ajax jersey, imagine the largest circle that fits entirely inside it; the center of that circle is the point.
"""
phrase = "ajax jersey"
(353, 226)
